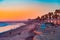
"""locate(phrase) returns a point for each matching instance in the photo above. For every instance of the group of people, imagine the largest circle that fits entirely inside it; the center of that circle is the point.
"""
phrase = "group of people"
(42, 31)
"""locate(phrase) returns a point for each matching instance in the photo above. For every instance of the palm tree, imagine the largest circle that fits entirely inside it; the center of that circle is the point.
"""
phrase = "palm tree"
(50, 14)
(55, 16)
(46, 17)
(57, 11)
(42, 18)
(37, 19)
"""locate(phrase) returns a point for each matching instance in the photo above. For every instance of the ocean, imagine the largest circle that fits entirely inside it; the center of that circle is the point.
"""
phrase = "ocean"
(2, 24)
(9, 26)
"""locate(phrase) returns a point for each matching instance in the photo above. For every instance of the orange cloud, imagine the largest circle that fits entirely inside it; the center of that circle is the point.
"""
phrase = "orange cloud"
(10, 15)
(22, 14)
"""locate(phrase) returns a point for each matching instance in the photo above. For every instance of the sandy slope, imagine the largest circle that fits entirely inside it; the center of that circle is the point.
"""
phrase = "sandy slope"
(25, 33)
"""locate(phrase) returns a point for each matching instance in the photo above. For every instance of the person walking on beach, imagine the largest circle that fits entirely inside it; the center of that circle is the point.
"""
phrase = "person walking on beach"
(39, 32)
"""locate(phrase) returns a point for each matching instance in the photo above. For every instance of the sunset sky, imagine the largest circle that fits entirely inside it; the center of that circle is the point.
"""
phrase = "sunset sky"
(14, 10)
